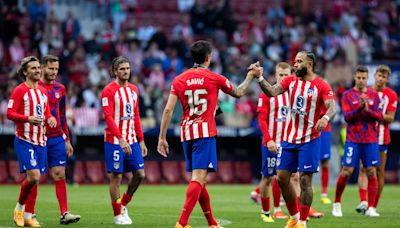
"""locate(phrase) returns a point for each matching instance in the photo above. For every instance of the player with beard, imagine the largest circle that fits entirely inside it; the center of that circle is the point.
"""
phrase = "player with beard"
(28, 107)
(362, 113)
(308, 93)
(58, 144)
(389, 105)
(124, 141)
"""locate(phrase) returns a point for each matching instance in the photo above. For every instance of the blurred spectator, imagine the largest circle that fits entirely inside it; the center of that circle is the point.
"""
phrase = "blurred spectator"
(145, 32)
(185, 5)
(156, 77)
(16, 52)
(70, 27)
(99, 75)
(37, 10)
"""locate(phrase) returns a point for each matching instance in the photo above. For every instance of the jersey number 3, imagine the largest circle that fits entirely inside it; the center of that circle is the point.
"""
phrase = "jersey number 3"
(197, 105)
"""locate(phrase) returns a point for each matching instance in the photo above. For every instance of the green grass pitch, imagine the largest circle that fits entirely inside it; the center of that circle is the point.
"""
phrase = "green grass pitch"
(160, 206)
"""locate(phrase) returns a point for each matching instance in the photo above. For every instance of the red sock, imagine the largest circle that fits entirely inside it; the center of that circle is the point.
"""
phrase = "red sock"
(362, 193)
(116, 208)
(61, 192)
(25, 191)
(298, 201)
(257, 189)
(31, 201)
(372, 190)
(292, 208)
(325, 180)
(192, 196)
(376, 200)
(265, 204)
(276, 192)
(340, 185)
(205, 204)
(304, 209)
(125, 199)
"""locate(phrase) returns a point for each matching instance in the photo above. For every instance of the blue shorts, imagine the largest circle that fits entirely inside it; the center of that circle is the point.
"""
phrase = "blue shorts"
(303, 157)
(30, 156)
(118, 162)
(56, 151)
(326, 137)
(200, 154)
(367, 152)
(268, 168)
(383, 148)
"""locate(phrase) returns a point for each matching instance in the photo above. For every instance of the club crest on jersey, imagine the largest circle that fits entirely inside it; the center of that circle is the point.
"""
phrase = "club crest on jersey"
(57, 95)
(128, 108)
(310, 92)
(116, 165)
(270, 170)
(300, 101)
(370, 102)
(33, 162)
(39, 109)
(348, 160)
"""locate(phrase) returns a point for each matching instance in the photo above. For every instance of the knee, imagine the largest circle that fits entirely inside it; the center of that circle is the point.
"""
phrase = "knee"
(346, 173)
(305, 180)
(282, 180)
(140, 175)
(115, 178)
(371, 171)
(266, 180)
(58, 175)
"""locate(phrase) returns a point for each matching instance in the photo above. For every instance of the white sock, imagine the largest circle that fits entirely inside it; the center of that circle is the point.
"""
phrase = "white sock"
(302, 222)
(277, 209)
(324, 195)
(27, 215)
(265, 212)
(19, 207)
(296, 216)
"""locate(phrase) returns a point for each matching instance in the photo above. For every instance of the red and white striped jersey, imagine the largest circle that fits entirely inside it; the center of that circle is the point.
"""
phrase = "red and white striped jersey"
(388, 103)
(25, 102)
(121, 112)
(306, 104)
(272, 117)
(197, 89)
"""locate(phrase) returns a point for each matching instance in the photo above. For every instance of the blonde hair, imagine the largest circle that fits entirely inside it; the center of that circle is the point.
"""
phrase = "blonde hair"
(383, 69)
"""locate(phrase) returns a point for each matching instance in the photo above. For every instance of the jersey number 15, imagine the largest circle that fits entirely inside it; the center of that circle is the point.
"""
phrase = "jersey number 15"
(197, 105)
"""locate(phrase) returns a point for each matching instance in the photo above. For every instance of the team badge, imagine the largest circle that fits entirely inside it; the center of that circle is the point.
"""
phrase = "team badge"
(348, 160)
(310, 92)
(33, 162)
(57, 95)
(116, 165)
(104, 101)
(278, 161)
(370, 102)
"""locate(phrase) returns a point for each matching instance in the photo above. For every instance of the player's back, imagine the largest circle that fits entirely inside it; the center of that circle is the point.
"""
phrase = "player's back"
(197, 90)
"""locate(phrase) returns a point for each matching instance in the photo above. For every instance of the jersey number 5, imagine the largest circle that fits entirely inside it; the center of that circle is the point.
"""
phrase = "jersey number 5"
(197, 105)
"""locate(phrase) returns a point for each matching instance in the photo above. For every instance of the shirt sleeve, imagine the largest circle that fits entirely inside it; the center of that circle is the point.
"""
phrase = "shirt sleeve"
(108, 111)
(63, 118)
(263, 110)
(392, 106)
(327, 92)
(286, 82)
(224, 84)
(138, 126)
(173, 90)
(349, 113)
(13, 104)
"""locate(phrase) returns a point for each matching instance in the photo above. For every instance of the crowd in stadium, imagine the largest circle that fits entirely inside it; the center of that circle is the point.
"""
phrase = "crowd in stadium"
(341, 37)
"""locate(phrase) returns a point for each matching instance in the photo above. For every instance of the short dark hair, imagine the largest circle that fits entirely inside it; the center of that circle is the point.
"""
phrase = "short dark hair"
(116, 62)
(200, 50)
(361, 69)
(48, 58)
(24, 64)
